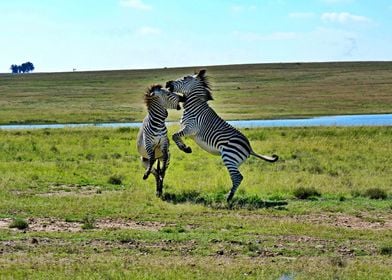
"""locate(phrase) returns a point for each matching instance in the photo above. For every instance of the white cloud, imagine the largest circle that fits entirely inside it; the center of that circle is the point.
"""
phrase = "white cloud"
(148, 30)
(298, 15)
(343, 18)
(242, 8)
(338, 1)
(275, 36)
(135, 4)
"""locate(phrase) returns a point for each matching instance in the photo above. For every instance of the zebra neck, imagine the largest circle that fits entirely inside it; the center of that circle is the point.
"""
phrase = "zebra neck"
(157, 113)
(194, 102)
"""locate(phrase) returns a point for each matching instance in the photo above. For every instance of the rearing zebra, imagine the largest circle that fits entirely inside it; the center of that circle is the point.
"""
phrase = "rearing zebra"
(209, 131)
(152, 140)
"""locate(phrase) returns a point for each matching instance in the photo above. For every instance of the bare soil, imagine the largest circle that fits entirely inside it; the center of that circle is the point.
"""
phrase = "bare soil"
(359, 221)
(56, 225)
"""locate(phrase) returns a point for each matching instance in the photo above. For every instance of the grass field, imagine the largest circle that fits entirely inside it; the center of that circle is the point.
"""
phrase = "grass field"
(73, 203)
(256, 91)
(90, 214)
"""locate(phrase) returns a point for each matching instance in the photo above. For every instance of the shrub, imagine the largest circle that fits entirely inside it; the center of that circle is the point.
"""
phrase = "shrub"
(176, 229)
(115, 179)
(88, 222)
(306, 192)
(386, 250)
(184, 196)
(19, 224)
(376, 193)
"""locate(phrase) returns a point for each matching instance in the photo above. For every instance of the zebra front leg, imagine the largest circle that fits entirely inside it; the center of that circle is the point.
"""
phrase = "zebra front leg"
(180, 144)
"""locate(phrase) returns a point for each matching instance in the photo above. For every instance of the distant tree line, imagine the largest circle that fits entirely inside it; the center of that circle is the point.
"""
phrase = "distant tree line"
(24, 68)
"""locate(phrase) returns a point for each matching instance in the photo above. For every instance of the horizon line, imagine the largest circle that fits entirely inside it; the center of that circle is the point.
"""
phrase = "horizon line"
(198, 66)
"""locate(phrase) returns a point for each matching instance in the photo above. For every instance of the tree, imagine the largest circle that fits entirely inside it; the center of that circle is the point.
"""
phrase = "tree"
(24, 68)
(14, 68)
(29, 66)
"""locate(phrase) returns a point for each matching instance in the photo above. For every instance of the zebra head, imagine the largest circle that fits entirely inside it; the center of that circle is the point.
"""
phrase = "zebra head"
(192, 85)
(167, 99)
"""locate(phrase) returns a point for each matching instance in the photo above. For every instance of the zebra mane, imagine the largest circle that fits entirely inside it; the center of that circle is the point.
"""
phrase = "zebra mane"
(206, 85)
(148, 98)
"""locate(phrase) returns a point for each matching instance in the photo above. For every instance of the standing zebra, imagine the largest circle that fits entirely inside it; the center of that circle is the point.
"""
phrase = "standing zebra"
(152, 140)
(211, 133)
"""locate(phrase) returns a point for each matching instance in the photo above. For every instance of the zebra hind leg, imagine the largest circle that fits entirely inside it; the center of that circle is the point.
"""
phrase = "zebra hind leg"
(156, 173)
(149, 167)
(235, 175)
(159, 180)
(236, 178)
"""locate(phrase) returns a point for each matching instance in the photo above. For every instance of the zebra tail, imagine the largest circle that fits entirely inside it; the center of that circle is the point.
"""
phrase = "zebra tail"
(273, 158)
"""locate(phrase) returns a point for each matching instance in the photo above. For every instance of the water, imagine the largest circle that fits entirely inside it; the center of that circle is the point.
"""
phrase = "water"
(343, 120)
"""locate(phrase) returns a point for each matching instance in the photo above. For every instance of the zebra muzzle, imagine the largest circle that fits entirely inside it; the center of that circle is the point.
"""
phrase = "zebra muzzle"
(170, 86)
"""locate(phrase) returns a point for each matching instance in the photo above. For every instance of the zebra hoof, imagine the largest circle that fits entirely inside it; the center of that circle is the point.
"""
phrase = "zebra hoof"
(188, 150)
(145, 176)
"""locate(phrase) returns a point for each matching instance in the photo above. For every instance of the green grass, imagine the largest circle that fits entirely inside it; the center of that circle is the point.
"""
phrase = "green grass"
(265, 91)
(62, 178)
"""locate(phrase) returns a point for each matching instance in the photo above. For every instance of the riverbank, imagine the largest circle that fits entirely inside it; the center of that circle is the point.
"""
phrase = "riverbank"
(344, 120)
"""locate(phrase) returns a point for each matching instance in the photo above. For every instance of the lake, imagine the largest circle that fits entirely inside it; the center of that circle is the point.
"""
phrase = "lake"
(341, 120)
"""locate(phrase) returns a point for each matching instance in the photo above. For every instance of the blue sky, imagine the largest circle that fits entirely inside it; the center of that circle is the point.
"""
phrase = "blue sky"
(59, 35)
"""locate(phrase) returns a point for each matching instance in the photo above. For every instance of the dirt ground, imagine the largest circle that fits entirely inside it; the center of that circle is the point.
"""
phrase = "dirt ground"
(56, 225)
(336, 220)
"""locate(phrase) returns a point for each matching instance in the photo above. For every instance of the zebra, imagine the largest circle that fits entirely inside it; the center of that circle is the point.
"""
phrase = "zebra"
(200, 122)
(152, 139)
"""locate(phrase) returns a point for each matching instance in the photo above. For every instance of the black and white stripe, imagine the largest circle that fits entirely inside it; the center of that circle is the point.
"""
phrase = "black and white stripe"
(153, 143)
(210, 131)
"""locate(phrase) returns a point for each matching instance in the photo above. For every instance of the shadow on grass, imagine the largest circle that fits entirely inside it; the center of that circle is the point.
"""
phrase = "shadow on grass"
(218, 200)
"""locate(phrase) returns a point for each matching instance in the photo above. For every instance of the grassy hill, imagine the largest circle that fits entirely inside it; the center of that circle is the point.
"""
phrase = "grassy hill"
(254, 91)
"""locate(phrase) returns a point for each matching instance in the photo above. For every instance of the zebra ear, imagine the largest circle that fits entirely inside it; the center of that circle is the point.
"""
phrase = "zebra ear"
(152, 89)
(201, 73)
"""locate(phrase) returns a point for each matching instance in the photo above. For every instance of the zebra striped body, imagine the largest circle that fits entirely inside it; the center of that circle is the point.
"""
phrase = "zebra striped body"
(152, 140)
(209, 131)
